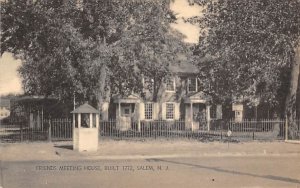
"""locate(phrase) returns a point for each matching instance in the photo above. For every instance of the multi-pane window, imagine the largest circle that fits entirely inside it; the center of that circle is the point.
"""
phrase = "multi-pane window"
(126, 110)
(213, 111)
(148, 84)
(170, 84)
(192, 85)
(169, 111)
(148, 110)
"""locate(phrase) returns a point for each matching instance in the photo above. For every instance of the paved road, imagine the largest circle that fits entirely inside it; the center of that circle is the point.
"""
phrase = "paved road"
(176, 172)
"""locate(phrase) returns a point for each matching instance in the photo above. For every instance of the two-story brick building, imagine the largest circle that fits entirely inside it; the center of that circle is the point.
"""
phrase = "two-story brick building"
(179, 99)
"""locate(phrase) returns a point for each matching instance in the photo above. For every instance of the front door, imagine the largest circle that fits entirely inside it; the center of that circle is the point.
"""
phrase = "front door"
(199, 116)
(127, 114)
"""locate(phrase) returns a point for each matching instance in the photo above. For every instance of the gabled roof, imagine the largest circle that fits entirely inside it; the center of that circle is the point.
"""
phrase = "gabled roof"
(85, 108)
(132, 98)
(183, 65)
(4, 102)
(33, 98)
(198, 97)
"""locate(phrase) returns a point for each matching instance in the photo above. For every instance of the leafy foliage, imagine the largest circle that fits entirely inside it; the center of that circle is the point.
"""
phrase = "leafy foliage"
(100, 48)
(245, 45)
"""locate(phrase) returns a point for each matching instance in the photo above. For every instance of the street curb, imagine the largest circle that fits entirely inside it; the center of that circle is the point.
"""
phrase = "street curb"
(204, 155)
(91, 157)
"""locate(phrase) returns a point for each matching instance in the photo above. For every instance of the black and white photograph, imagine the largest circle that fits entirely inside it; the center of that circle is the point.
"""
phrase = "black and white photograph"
(150, 93)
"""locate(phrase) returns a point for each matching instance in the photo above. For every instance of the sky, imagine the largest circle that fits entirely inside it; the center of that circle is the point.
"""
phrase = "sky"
(10, 81)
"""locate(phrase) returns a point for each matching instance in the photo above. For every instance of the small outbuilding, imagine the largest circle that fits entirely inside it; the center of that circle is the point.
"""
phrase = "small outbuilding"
(85, 128)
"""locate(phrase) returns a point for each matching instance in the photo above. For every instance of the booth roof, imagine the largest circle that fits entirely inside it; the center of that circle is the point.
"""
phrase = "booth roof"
(85, 108)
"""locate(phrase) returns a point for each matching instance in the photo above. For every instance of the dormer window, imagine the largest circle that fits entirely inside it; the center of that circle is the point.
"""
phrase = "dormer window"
(170, 84)
(79, 4)
(192, 85)
(148, 84)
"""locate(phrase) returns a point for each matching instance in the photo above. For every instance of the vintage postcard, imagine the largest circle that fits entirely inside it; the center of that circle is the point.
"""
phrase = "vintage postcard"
(149, 93)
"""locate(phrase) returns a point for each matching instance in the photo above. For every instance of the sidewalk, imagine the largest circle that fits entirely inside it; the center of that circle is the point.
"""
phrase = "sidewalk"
(148, 149)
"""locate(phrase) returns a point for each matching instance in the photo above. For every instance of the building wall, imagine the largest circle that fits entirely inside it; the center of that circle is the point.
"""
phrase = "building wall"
(168, 97)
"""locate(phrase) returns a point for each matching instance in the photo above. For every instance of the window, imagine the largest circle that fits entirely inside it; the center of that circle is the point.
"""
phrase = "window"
(148, 84)
(94, 120)
(170, 84)
(76, 120)
(148, 110)
(85, 120)
(169, 111)
(126, 110)
(192, 84)
(213, 112)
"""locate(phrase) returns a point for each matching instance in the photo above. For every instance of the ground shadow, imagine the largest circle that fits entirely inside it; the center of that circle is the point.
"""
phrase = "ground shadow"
(270, 177)
(69, 147)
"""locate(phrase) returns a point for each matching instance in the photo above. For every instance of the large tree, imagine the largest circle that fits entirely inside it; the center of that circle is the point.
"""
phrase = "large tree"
(246, 45)
(90, 49)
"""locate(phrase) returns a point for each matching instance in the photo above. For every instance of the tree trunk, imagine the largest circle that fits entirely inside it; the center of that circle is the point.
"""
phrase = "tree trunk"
(298, 97)
(101, 91)
(290, 105)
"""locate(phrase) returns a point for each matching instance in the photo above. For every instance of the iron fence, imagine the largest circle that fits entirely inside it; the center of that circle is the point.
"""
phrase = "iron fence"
(155, 129)
(264, 129)
(61, 129)
(22, 132)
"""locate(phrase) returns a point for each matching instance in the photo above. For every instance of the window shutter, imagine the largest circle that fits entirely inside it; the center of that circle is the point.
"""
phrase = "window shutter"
(155, 113)
(163, 111)
(176, 111)
(219, 112)
(198, 84)
(142, 111)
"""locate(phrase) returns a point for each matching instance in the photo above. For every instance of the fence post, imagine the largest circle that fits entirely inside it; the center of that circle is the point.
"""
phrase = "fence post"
(286, 128)
(49, 131)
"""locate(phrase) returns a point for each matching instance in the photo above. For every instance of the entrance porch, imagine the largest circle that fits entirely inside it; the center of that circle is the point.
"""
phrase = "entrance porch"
(127, 112)
(197, 112)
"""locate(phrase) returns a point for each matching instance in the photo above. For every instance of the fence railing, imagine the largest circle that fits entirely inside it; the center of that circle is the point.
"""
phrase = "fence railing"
(61, 129)
(155, 129)
(22, 132)
(264, 129)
